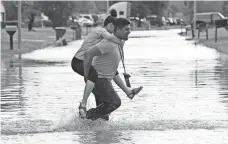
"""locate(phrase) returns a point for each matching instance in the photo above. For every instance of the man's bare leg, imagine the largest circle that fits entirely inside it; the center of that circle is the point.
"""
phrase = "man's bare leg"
(129, 91)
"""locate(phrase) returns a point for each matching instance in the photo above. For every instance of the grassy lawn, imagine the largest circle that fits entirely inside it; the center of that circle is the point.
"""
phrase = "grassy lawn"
(222, 39)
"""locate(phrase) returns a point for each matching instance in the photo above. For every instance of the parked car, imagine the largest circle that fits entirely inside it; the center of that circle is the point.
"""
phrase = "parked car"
(85, 22)
(170, 21)
(179, 21)
(156, 20)
(90, 17)
(135, 21)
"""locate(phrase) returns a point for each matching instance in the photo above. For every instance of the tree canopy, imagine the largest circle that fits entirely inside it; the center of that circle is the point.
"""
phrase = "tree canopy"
(57, 11)
(225, 8)
(144, 8)
(27, 9)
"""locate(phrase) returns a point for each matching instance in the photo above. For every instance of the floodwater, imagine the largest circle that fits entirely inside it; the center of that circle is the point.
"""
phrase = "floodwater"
(184, 100)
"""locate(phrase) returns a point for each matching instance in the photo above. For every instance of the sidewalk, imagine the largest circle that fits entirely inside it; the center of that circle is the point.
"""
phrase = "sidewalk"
(55, 54)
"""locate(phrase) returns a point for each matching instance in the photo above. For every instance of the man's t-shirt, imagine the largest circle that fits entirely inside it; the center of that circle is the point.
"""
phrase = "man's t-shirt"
(91, 39)
(107, 63)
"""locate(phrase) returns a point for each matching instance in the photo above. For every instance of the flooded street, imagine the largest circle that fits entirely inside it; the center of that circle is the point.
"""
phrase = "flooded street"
(184, 100)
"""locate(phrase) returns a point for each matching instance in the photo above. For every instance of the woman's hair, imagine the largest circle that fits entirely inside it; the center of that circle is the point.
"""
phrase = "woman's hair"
(110, 19)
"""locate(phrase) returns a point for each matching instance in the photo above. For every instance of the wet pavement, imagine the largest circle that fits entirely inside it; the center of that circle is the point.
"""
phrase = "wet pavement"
(184, 100)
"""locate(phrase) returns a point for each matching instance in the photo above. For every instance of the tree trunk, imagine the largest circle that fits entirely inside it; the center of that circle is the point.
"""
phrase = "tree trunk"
(30, 25)
(31, 21)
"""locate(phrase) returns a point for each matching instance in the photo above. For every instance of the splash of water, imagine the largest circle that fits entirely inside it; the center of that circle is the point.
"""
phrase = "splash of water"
(69, 121)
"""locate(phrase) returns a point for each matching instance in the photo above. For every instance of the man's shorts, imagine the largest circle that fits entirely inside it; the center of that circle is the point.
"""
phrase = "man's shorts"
(78, 67)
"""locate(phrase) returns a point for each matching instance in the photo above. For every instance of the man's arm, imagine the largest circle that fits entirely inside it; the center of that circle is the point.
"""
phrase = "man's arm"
(88, 57)
(117, 79)
(106, 35)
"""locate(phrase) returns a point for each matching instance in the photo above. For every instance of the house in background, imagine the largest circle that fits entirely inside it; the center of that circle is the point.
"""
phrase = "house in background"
(184, 9)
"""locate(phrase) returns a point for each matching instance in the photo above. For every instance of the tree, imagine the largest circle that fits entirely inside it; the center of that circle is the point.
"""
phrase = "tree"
(143, 8)
(11, 10)
(157, 7)
(140, 10)
(113, 2)
(29, 11)
(225, 8)
(57, 11)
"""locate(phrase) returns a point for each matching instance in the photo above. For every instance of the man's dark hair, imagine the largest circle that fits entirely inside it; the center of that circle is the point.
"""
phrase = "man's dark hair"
(110, 19)
(121, 22)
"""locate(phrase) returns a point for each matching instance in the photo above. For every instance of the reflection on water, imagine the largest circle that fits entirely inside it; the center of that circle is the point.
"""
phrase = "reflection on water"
(124, 137)
(12, 86)
(185, 93)
(223, 79)
(101, 137)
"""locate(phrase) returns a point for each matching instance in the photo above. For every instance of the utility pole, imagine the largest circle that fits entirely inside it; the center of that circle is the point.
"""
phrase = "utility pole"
(19, 28)
(107, 7)
(194, 20)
